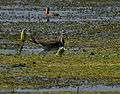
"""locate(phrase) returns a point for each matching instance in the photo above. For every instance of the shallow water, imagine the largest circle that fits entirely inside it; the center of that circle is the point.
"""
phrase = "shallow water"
(11, 47)
(24, 51)
(97, 88)
(78, 14)
(87, 88)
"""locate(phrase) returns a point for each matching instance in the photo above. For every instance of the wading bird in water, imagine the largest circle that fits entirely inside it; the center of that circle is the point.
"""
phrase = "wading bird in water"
(49, 14)
(47, 45)
(51, 44)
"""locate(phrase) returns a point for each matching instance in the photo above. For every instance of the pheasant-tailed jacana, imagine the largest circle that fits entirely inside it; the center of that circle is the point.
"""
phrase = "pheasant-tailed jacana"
(51, 44)
(48, 45)
(50, 14)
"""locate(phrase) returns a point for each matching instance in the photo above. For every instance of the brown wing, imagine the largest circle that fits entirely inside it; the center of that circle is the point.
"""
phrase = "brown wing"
(50, 44)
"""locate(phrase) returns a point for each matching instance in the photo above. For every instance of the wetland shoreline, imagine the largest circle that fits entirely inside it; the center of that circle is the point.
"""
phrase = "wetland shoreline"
(90, 63)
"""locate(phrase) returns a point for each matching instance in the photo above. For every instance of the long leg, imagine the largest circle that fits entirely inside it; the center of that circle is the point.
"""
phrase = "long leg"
(21, 47)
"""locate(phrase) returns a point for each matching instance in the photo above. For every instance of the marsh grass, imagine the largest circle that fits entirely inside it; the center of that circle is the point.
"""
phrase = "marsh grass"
(77, 32)
(98, 68)
(98, 64)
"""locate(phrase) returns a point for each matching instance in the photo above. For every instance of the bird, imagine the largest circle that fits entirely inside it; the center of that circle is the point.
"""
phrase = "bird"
(50, 14)
(47, 45)
(51, 44)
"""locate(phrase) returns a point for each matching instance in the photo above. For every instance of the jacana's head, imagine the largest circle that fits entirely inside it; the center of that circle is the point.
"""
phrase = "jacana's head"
(47, 10)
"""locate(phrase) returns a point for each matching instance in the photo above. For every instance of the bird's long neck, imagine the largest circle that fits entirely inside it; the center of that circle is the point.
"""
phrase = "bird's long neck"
(47, 10)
